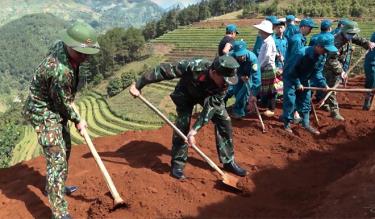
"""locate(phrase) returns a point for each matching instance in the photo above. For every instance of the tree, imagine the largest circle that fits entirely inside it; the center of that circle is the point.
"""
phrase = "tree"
(204, 10)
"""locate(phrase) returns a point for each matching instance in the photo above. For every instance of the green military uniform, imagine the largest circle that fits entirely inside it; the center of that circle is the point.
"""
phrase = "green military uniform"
(48, 108)
(338, 62)
(194, 87)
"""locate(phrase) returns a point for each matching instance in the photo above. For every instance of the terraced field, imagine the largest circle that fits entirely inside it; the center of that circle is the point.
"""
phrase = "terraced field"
(101, 122)
(27, 148)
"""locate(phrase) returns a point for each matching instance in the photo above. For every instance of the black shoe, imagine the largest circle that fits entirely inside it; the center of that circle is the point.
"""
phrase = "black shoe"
(67, 216)
(177, 172)
(234, 168)
(70, 189)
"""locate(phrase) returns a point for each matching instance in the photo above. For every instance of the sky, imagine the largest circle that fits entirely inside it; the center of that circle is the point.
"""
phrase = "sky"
(168, 3)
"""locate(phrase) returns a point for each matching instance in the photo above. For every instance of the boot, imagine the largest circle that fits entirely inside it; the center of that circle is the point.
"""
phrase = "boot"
(336, 116)
(177, 172)
(234, 168)
(312, 130)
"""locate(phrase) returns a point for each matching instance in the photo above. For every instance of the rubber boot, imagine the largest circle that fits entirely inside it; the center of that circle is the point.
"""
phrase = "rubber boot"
(177, 172)
(234, 168)
(336, 115)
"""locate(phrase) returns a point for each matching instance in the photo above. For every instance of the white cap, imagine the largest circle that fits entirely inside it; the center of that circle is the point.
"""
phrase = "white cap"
(265, 26)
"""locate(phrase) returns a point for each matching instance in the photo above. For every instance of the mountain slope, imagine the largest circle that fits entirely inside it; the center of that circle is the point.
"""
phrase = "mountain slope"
(103, 14)
(22, 50)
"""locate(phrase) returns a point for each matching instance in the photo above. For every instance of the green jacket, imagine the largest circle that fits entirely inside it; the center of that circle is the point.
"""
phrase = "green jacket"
(195, 86)
(53, 88)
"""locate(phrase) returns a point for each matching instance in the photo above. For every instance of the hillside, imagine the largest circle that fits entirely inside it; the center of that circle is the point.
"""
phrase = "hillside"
(21, 51)
(101, 14)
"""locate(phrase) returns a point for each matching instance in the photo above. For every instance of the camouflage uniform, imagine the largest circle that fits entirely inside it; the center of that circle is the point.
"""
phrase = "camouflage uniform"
(194, 87)
(338, 62)
(48, 108)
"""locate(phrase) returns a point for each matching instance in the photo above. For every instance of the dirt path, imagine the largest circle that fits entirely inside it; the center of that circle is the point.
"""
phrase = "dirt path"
(330, 176)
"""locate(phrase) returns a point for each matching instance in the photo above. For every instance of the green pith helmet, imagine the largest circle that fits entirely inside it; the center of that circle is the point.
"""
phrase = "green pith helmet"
(351, 27)
(227, 67)
(82, 38)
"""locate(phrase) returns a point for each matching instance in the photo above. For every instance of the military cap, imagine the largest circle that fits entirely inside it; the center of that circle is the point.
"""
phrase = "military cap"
(231, 28)
(273, 20)
(325, 24)
(351, 27)
(327, 41)
(82, 38)
(308, 22)
(226, 66)
(290, 17)
(239, 48)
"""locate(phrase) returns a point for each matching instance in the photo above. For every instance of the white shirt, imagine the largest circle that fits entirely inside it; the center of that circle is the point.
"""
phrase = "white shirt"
(267, 54)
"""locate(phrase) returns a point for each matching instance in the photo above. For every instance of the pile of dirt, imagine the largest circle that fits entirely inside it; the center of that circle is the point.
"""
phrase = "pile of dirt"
(330, 176)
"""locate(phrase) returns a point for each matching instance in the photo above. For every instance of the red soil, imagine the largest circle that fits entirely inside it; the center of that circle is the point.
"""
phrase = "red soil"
(330, 176)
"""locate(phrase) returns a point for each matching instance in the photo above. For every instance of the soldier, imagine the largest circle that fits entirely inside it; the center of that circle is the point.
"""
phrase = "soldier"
(369, 66)
(204, 83)
(337, 63)
(249, 79)
(49, 107)
(297, 72)
(226, 44)
(298, 40)
(281, 44)
(325, 28)
(291, 27)
(340, 24)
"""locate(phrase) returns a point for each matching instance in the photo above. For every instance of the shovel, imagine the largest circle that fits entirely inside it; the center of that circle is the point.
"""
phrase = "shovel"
(117, 200)
(226, 178)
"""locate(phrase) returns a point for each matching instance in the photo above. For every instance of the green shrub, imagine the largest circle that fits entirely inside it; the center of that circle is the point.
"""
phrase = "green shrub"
(114, 87)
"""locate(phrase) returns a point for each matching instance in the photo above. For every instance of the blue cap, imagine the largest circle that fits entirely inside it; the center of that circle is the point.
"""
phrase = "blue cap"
(308, 22)
(239, 48)
(373, 37)
(325, 24)
(273, 20)
(290, 17)
(231, 28)
(327, 41)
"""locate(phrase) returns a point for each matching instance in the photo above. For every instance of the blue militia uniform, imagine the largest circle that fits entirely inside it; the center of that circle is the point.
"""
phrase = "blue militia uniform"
(299, 69)
(281, 46)
(296, 43)
(242, 91)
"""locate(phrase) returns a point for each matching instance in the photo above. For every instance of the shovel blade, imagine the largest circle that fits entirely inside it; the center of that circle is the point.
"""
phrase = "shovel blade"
(231, 181)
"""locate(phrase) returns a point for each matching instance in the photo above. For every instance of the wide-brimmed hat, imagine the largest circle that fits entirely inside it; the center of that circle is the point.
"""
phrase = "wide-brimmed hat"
(82, 38)
(265, 26)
